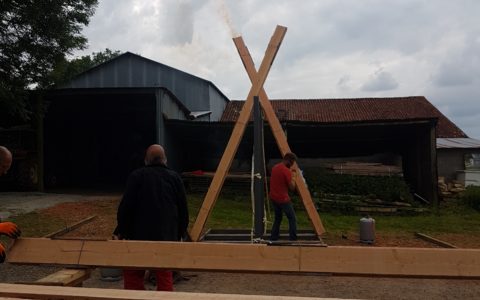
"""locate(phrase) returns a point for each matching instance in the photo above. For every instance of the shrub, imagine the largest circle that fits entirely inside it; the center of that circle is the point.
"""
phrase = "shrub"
(387, 188)
(471, 197)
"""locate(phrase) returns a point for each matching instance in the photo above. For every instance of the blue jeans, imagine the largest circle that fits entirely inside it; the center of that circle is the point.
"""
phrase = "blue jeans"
(286, 208)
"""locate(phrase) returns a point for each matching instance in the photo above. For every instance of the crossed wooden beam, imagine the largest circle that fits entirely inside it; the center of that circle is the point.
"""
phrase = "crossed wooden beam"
(257, 79)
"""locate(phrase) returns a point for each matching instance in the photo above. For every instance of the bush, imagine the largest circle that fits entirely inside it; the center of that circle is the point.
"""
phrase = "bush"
(386, 188)
(471, 197)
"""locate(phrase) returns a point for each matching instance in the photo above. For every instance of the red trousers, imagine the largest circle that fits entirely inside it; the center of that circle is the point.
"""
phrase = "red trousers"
(133, 280)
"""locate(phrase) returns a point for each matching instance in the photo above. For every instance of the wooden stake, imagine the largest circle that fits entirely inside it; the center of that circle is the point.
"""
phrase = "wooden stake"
(237, 134)
(279, 136)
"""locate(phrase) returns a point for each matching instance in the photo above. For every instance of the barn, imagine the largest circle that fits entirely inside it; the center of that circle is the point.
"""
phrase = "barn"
(98, 125)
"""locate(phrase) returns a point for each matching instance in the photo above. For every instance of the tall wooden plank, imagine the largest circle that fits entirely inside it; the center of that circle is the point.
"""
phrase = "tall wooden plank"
(279, 136)
(237, 134)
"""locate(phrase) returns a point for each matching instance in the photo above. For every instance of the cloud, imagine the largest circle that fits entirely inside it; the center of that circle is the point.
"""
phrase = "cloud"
(462, 67)
(380, 81)
(410, 47)
(343, 83)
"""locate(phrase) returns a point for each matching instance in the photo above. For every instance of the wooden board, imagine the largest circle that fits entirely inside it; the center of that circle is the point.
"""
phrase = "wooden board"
(70, 227)
(65, 277)
(374, 261)
(237, 134)
(55, 292)
(434, 240)
(280, 136)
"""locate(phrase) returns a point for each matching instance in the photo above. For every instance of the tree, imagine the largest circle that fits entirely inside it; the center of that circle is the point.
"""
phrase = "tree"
(66, 69)
(35, 35)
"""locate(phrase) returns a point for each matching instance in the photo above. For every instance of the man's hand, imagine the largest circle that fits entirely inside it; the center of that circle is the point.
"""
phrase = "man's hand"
(2, 253)
(10, 229)
(291, 184)
(294, 172)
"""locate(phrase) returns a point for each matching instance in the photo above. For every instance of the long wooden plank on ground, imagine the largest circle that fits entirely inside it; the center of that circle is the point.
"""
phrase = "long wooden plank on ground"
(279, 136)
(434, 240)
(237, 134)
(70, 227)
(375, 261)
(55, 292)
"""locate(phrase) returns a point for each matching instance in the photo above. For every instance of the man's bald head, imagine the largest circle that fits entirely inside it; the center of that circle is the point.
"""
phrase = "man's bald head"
(155, 155)
(5, 160)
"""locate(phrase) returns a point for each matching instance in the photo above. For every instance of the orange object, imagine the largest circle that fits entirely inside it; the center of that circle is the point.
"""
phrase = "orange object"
(10, 229)
(2, 253)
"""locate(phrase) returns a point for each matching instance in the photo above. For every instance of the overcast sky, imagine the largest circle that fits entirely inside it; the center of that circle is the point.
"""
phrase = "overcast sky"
(332, 49)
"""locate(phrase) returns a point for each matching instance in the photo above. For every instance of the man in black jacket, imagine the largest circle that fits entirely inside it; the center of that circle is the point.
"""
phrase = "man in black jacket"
(153, 208)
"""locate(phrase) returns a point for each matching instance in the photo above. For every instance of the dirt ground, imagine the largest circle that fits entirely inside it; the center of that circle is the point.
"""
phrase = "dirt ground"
(312, 285)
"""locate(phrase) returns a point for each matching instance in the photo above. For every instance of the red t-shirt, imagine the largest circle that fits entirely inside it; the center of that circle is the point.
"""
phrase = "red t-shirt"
(279, 180)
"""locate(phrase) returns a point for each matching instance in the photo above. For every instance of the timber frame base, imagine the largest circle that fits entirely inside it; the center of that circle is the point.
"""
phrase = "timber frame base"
(54, 292)
(335, 260)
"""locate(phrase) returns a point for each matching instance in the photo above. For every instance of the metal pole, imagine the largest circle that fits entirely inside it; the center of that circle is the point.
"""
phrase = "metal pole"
(258, 169)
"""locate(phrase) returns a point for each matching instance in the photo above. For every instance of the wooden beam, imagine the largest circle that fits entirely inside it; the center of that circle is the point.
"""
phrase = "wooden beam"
(237, 134)
(280, 136)
(71, 227)
(56, 292)
(337, 260)
(434, 240)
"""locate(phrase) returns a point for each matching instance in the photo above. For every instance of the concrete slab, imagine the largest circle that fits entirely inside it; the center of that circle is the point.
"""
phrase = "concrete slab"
(12, 204)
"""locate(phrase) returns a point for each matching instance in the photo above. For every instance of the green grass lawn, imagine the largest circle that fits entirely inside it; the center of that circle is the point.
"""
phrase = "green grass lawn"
(234, 211)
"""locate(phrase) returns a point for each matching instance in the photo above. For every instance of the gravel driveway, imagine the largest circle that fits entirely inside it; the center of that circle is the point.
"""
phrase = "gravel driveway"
(312, 285)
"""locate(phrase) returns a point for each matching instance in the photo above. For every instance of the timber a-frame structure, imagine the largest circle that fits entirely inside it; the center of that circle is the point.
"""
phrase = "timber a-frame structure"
(257, 79)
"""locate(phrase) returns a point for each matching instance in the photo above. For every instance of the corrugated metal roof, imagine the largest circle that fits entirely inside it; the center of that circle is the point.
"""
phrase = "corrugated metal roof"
(130, 70)
(463, 143)
(355, 110)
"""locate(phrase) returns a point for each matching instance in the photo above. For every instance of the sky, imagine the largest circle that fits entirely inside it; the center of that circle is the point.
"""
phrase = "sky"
(332, 48)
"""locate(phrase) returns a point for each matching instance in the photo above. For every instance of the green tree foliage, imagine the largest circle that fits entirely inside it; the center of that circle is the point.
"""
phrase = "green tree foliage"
(471, 197)
(34, 36)
(66, 69)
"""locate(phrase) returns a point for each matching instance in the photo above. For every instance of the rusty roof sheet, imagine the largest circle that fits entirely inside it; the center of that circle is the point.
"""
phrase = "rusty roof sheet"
(355, 110)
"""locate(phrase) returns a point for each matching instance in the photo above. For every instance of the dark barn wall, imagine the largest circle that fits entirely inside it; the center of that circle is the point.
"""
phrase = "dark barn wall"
(420, 162)
(95, 140)
(414, 142)
(452, 160)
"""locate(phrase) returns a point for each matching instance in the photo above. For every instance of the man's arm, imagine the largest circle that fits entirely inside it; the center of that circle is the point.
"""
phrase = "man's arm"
(182, 208)
(126, 206)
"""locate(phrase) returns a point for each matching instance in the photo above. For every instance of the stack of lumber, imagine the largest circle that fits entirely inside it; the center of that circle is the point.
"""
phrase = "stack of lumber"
(365, 205)
(367, 169)
(200, 181)
(449, 189)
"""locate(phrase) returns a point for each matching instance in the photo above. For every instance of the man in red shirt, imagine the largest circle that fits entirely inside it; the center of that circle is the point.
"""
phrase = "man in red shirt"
(282, 179)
